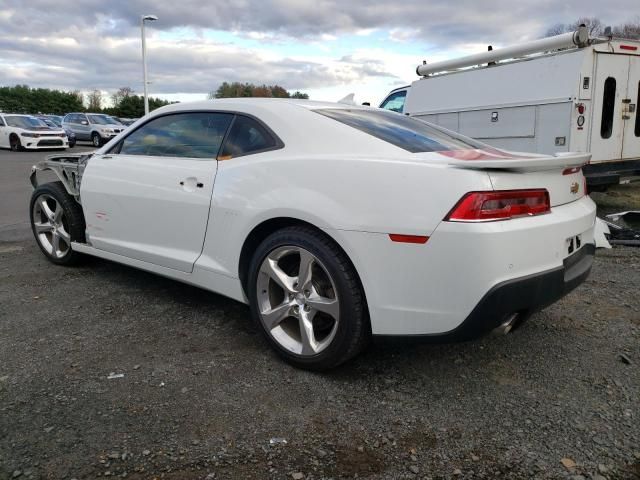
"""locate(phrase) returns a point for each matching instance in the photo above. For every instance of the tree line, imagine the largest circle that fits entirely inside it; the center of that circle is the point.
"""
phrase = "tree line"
(238, 89)
(23, 99)
(629, 29)
(124, 102)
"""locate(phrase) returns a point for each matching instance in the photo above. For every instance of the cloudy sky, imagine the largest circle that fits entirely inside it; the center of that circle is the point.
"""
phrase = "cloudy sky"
(327, 48)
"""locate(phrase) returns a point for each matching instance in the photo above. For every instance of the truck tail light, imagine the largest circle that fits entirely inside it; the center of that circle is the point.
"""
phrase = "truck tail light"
(500, 205)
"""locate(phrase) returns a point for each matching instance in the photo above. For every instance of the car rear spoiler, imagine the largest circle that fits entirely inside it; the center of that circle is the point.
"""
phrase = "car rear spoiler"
(491, 159)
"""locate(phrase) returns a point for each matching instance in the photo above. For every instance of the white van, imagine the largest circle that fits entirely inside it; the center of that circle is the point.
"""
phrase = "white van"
(559, 94)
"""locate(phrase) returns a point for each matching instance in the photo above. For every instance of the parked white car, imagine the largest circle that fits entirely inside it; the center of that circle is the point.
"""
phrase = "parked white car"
(19, 132)
(332, 222)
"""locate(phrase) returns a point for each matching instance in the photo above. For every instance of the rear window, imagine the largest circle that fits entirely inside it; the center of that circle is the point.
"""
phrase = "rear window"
(405, 132)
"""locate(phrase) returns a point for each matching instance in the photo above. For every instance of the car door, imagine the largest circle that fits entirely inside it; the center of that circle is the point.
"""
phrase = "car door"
(4, 135)
(72, 122)
(149, 197)
(83, 126)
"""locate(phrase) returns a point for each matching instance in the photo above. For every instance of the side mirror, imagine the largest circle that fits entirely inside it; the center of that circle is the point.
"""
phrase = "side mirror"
(84, 122)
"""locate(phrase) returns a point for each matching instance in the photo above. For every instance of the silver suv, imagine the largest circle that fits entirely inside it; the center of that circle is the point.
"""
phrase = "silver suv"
(97, 128)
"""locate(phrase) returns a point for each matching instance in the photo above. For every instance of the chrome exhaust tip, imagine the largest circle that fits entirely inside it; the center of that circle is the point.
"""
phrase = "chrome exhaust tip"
(506, 326)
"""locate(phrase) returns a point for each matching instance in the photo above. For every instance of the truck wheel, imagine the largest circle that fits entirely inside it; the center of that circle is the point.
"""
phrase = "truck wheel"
(307, 300)
(96, 140)
(14, 143)
(56, 221)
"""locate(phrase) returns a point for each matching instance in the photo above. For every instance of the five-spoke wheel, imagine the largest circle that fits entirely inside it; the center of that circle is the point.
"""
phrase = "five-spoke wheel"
(306, 297)
(56, 221)
(297, 300)
(49, 226)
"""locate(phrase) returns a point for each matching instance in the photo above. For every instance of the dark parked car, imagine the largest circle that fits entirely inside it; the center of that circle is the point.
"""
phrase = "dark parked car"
(56, 121)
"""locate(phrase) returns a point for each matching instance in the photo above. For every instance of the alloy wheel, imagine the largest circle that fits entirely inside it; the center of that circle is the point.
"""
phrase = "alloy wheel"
(297, 300)
(50, 226)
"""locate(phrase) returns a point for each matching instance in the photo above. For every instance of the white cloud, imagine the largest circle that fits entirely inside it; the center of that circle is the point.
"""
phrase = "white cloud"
(57, 44)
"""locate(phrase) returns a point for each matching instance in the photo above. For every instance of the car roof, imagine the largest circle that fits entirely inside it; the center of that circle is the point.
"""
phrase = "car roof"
(253, 103)
(296, 124)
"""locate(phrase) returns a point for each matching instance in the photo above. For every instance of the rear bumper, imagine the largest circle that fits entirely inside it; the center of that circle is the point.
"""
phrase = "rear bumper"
(523, 295)
(465, 268)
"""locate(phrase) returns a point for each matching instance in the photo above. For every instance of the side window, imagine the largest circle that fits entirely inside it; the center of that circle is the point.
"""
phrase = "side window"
(69, 118)
(188, 135)
(395, 102)
(637, 129)
(1, 122)
(82, 118)
(608, 107)
(247, 136)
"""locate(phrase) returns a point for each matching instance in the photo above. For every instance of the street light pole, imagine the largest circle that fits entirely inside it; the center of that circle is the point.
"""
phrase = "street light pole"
(151, 18)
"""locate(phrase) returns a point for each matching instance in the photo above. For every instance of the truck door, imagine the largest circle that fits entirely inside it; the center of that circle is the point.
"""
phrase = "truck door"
(631, 118)
(612, 75)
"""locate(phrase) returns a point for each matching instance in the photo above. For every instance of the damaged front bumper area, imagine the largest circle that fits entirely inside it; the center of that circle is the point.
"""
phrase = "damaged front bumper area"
(68, 169)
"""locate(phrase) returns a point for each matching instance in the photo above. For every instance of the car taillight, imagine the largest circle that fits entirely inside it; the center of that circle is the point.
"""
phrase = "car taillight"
(500, 205)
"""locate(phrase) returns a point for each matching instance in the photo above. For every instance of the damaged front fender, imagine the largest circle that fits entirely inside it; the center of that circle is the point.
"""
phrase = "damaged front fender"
(68, 168)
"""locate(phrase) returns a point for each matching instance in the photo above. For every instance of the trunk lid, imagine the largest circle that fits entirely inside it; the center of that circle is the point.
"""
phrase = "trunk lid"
(560, 174)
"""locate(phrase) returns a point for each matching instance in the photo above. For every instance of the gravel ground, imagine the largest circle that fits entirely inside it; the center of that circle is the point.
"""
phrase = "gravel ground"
(109, 371)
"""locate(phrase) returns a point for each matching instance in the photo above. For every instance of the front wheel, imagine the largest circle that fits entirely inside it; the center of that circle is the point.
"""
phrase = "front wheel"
(306, 298)
(15, 144)
(56, 221)
(96, 140)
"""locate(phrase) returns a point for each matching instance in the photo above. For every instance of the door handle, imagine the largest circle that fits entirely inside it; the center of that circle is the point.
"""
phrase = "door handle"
(190, 183)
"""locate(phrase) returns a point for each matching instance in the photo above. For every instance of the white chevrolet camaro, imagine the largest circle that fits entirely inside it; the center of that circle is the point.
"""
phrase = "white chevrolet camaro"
(333, 222)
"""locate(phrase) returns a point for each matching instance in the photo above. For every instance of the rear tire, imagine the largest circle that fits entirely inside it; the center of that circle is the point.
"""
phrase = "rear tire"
(306, 299)
(56, 221)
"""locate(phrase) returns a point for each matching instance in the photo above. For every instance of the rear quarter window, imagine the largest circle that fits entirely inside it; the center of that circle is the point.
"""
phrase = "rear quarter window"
(405, 132)
(248, 136)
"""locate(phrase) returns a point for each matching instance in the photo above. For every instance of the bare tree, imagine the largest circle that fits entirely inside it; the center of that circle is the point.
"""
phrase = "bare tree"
(94, 100)
(121, 94)
(630, 30)
(79, 96)
(592, 23)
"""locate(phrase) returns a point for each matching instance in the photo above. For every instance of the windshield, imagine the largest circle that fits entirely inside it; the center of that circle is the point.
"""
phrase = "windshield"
(49, 122)
(114, 120)
(402, 131)
(100, 119)
(24, 122)
(55, 119)
(395, 101)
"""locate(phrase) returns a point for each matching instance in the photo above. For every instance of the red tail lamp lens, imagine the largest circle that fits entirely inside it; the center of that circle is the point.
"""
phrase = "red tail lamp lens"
(500, 205)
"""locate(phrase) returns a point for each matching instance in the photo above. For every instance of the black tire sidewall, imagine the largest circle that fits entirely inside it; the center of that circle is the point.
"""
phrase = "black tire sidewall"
(353, 322)
(18, 144)
(95, 135)
(72, 213)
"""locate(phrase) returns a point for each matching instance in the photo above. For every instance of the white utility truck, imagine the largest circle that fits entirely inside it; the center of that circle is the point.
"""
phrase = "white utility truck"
(558, 94)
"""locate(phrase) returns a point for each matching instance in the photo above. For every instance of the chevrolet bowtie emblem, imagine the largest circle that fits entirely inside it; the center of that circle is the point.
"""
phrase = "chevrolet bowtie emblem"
(575, 186)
